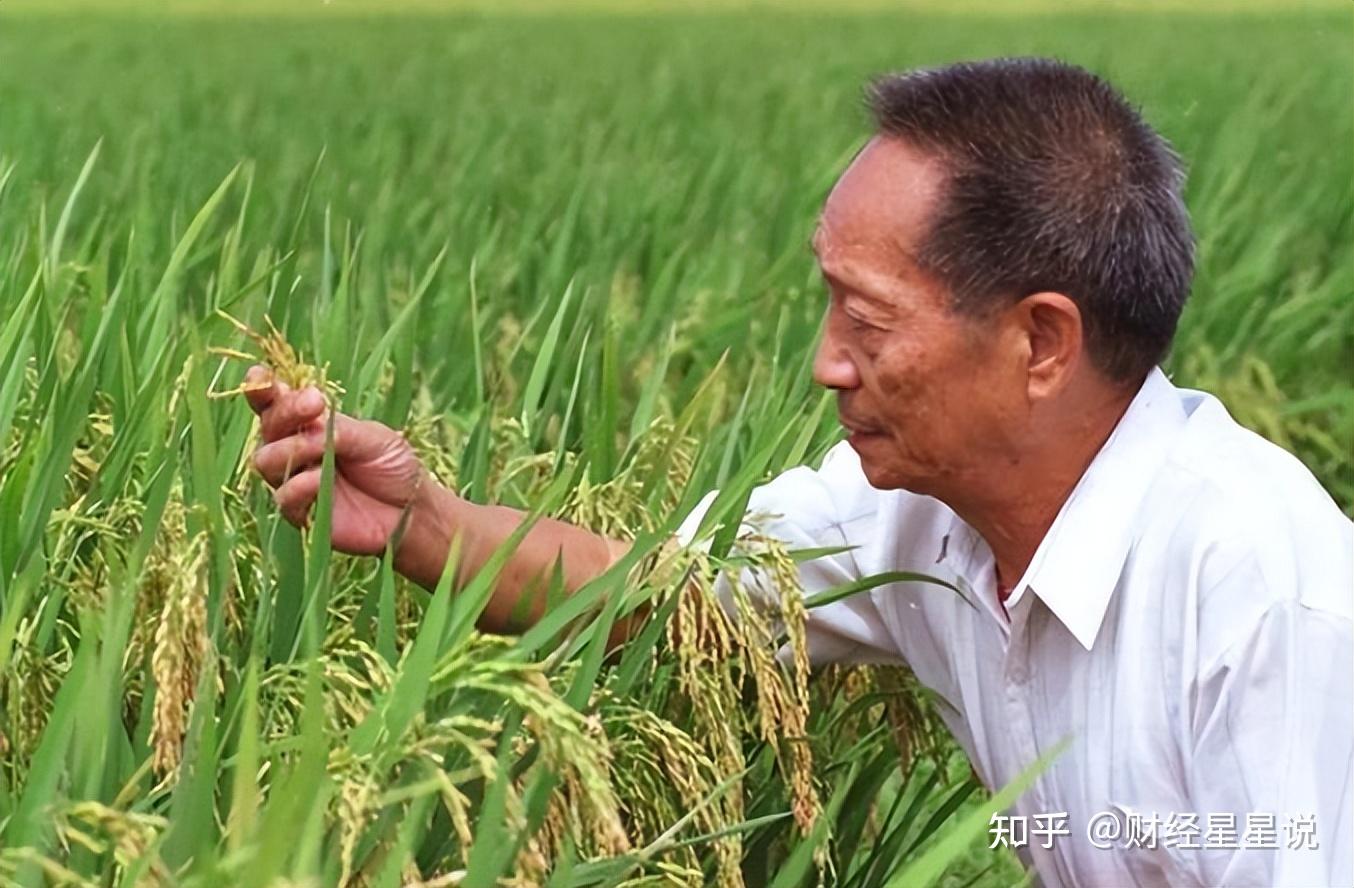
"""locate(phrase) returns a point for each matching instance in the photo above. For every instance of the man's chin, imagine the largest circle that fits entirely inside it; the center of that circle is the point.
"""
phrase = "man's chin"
(879, 464)
(875, 450)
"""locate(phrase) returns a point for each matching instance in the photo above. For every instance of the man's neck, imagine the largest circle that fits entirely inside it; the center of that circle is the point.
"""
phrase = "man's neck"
(1017, 505)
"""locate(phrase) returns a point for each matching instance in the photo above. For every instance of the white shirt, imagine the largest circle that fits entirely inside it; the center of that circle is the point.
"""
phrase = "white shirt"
(1187, 620)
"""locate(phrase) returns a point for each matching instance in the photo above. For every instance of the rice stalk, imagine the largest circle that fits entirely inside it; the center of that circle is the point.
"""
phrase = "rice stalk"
(279, 355)
(180, 649)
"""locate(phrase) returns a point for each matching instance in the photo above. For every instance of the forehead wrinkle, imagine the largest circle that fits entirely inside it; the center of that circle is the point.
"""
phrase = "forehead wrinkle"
(864, 286)
(900, 258)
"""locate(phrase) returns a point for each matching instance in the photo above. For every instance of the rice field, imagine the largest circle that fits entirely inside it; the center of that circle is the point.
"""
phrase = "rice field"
(565, 249)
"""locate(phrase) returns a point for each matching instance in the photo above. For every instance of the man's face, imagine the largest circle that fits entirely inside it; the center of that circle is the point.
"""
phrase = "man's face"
(923, 390)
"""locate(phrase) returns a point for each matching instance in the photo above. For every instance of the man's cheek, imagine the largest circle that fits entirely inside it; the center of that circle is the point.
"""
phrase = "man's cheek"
(899, 377)
(911, 398)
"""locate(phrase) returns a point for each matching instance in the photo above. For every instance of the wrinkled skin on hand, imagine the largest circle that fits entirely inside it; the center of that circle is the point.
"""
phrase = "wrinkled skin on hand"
(378, 474)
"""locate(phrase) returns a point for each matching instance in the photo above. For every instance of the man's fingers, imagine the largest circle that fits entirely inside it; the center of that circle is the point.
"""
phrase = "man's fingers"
(281, 459)
(360, 440)
(260, 389)
(354, 439)
(297, 495)
(290, 411)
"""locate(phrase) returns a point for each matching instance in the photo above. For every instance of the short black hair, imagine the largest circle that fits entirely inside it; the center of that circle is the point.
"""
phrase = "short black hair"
(1053, 183)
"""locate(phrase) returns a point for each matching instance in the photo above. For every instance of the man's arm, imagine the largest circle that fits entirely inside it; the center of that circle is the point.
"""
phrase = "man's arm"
(519, 597)
(1274, 737)
(379, 476)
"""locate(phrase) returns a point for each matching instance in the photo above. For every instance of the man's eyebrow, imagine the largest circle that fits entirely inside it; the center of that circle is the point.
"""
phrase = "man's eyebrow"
(858, 288)
(843, 277)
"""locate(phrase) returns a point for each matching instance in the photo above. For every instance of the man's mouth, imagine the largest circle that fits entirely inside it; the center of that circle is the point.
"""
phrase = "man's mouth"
(856, 428)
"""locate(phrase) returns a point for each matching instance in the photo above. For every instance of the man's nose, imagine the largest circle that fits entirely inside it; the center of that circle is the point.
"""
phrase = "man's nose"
(832, 366)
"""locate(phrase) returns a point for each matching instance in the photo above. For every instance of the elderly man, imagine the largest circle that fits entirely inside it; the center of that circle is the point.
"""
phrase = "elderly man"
(1006, 260)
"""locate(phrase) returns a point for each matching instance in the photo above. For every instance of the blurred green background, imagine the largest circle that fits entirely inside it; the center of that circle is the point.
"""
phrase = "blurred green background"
(675, 156)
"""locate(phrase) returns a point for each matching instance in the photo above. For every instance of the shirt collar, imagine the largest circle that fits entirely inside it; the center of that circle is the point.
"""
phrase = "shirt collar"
(1078, 563)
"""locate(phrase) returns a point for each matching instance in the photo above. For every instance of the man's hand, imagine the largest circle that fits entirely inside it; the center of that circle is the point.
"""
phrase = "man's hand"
(377, 472)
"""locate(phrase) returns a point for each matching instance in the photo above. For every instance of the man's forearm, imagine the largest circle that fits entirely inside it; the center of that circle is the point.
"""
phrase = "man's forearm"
(518, 600)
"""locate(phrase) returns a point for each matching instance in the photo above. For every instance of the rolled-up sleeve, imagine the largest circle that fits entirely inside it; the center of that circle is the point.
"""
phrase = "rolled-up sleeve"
(808, 508)
(1274, 751)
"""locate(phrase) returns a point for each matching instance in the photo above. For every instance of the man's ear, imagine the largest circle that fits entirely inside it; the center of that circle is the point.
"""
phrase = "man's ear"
(1051, 323)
